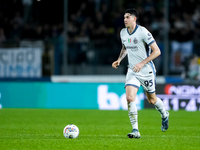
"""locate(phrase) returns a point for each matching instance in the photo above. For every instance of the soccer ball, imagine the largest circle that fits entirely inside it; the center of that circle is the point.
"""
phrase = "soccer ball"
(71, 131)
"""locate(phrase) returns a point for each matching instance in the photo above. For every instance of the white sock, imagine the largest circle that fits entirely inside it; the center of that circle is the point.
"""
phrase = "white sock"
(132, 113)
(160, 107)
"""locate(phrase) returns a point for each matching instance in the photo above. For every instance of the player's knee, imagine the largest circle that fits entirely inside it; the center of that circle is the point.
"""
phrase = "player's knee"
(130, 98)
(151, 101)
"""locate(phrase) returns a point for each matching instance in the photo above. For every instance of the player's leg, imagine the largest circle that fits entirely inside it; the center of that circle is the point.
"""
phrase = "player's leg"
(158, 104)
(132, 85)
(149, 84)
(152, 99)
(131, 92)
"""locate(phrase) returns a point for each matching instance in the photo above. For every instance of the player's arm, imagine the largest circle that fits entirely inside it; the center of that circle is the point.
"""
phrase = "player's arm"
(155, 53)
(122, 55)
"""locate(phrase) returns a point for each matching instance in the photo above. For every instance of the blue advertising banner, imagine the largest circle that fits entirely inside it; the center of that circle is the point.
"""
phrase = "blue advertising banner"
(104, 96)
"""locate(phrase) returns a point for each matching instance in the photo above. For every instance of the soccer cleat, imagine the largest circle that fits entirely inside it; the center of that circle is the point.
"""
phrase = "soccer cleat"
(134, 134)
(165, 122)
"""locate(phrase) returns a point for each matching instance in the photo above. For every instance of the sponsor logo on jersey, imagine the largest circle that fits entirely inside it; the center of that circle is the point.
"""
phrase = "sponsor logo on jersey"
(132, 48)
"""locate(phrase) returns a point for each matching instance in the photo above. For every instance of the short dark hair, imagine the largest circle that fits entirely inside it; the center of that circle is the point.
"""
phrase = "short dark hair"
(132, 12)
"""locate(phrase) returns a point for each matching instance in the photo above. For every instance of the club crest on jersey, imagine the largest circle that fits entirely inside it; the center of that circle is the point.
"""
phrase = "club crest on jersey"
(135, 41)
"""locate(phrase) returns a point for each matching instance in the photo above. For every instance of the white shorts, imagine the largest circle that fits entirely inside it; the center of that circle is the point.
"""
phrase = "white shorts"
(148, 81)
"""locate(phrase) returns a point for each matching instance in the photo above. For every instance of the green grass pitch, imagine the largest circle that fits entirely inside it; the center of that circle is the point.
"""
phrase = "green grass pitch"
(99, 130)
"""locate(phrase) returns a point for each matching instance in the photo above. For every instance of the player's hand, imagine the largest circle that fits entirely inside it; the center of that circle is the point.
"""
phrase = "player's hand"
(115, 64)
(138, 67)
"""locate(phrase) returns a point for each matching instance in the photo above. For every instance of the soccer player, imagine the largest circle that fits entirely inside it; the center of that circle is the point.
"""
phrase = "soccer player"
(137, 43)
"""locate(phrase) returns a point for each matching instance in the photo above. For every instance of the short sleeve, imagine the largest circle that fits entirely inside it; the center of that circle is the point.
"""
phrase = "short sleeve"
(147, 37)
(122, 36)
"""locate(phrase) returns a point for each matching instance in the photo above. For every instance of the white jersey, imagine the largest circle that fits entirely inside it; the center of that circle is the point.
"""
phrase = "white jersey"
(137, 46)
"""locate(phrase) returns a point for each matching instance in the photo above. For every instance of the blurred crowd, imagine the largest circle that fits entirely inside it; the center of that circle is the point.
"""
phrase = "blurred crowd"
(96, 19)
(101, 21)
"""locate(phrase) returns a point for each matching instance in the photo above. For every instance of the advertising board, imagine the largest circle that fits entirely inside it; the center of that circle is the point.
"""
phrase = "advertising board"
(20, 62)
(104, 96)
(178, 96)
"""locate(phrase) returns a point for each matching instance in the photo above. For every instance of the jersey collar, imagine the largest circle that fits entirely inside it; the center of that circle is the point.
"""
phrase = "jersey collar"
(133, 30)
